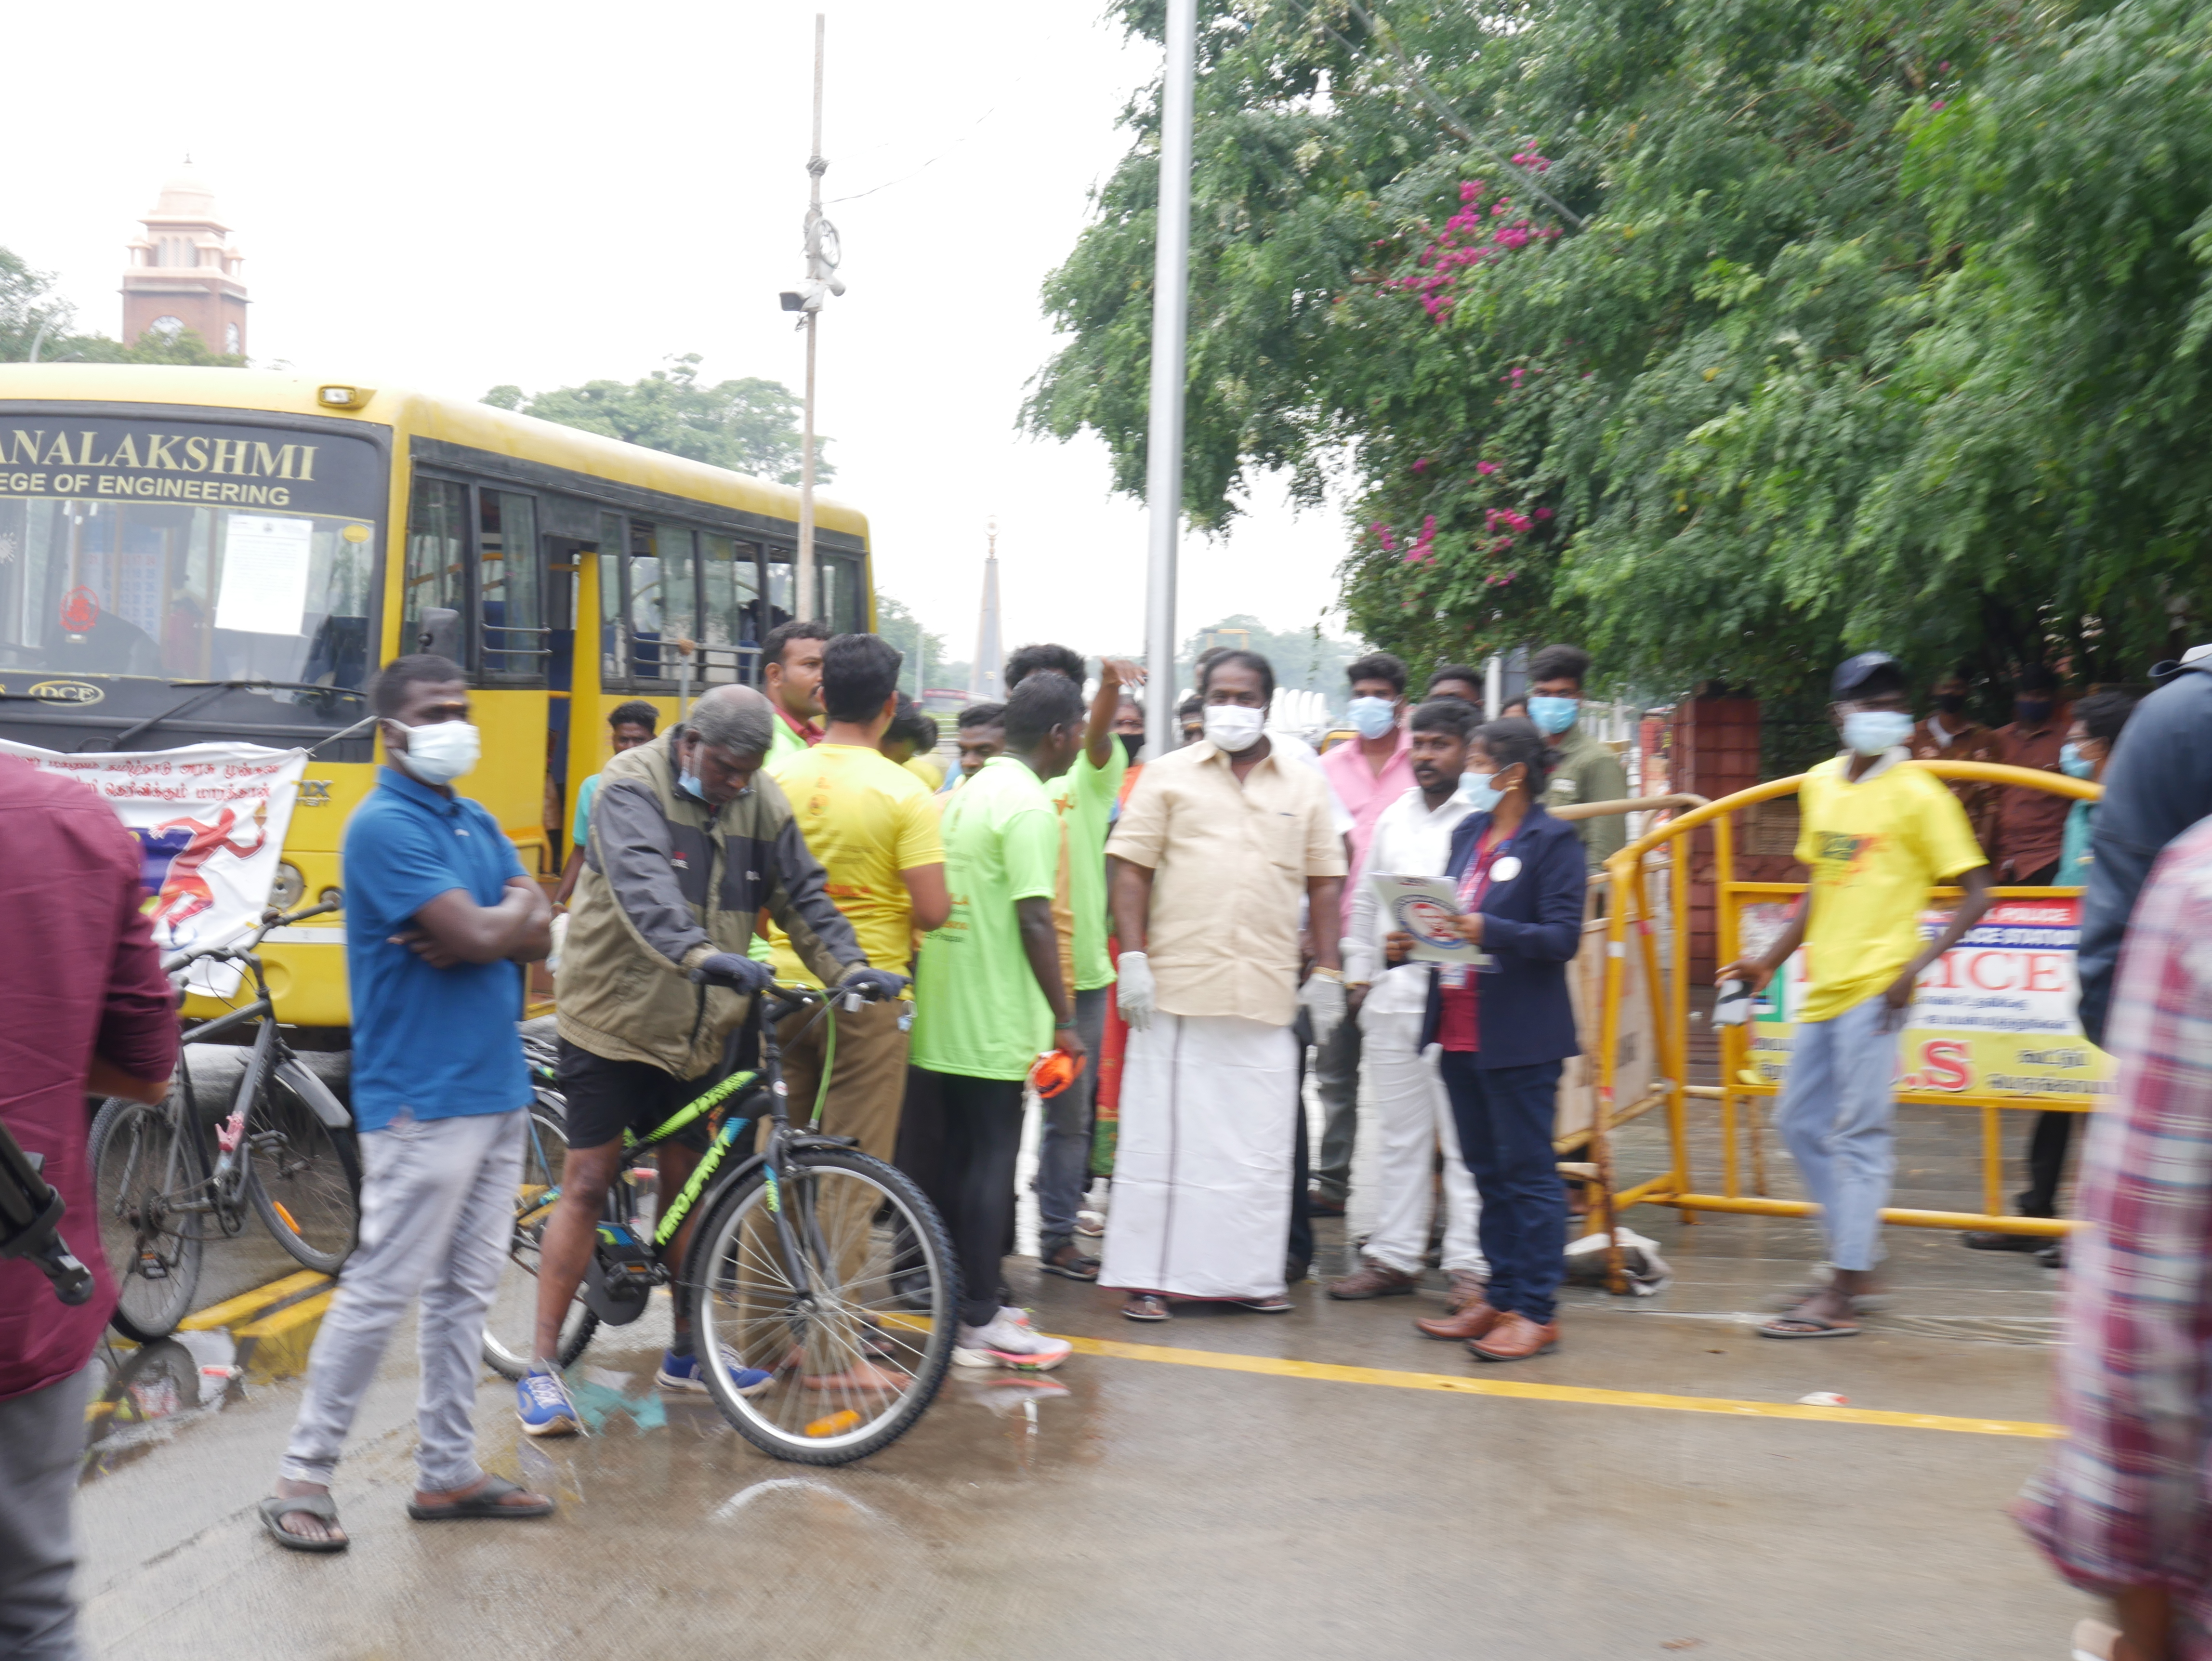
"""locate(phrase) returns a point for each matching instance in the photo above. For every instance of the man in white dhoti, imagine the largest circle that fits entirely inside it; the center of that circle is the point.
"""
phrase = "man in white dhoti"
(1399, 1083)
(1215, 849)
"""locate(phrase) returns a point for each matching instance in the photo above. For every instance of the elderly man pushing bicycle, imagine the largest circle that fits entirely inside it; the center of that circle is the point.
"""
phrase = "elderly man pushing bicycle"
(689, 841)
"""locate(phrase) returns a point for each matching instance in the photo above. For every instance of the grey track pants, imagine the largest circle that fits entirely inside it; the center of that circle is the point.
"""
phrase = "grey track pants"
(437, 1206)
(41, 1440)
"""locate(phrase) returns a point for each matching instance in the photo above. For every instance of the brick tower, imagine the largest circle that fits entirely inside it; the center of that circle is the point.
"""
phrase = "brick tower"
(183, 271)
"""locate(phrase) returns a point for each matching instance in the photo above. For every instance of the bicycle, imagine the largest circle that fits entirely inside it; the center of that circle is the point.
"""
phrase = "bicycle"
(287, 1150)
(811, 1261)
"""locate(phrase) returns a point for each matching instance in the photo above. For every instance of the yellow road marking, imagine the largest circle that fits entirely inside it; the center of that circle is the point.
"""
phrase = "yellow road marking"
(246, 1305)
(1522, 1390)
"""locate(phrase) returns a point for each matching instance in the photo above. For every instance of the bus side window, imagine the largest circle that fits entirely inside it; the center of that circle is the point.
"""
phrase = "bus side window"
(730, 626)
(437, 556)
(614, 638)
(512, 585)
(778, 587)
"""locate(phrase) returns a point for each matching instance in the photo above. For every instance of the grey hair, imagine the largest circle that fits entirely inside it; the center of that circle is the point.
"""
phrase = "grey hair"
(733, 718)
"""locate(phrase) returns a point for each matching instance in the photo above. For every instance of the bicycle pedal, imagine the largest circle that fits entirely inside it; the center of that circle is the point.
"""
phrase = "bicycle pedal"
(151, 1268)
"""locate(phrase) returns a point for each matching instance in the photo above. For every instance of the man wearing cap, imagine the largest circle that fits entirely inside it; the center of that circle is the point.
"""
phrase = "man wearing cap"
(1878, 836)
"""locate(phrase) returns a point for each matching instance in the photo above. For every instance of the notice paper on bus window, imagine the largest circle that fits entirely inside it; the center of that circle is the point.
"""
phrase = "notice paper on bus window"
(264, 575)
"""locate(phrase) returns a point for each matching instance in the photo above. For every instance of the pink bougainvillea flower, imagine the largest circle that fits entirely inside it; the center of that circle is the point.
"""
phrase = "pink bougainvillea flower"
(1422, 466)
(1485, 467)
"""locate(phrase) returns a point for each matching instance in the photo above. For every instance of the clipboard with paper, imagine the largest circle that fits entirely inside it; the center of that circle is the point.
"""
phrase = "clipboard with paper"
(1424, 907)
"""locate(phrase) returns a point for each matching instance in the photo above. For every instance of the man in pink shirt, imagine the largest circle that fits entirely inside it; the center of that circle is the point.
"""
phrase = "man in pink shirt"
(1367, 775)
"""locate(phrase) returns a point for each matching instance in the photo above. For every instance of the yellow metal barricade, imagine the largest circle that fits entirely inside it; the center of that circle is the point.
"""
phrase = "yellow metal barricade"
(1663, 856)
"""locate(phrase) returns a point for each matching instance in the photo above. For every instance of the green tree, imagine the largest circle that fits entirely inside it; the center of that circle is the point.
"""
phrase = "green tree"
(748, 425)
(1725, 338)
(899, 625)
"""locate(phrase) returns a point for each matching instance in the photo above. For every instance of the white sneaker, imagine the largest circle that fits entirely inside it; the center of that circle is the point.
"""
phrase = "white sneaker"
(1009, 1343)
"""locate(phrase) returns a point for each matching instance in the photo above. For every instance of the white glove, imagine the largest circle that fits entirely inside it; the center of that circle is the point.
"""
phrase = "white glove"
(1136, 996)
(1323, 997)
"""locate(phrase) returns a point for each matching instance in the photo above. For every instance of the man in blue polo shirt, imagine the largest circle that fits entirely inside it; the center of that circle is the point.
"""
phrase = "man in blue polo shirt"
(439, 915)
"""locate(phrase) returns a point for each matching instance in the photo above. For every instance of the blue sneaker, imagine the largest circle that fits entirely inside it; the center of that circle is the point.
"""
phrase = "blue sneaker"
(684, 1372)
(541, 1401)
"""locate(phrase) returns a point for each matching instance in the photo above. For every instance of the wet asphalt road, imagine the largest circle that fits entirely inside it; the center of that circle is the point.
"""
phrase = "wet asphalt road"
(1150, 1507)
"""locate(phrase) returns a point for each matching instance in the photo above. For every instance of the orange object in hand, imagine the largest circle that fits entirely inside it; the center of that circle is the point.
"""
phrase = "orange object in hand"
(1055, 1071)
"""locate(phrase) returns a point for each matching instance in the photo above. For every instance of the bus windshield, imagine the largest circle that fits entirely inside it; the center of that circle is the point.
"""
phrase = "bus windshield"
(119, 556)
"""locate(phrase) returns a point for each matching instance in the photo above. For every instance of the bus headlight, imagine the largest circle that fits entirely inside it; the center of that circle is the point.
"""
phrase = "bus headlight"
(286, 891)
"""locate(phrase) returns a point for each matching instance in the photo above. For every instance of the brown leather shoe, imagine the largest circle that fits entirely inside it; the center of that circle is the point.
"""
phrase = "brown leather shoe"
(1471, 1321)
(1466, 1287)
(1515, 1338)
(1373, 1280)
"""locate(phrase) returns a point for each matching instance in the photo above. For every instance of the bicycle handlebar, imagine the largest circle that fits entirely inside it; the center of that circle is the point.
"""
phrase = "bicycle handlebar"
(271, 918)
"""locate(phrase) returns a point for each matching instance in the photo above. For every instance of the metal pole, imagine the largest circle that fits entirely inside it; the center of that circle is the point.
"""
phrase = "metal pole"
(805, 603)
(1171, 316)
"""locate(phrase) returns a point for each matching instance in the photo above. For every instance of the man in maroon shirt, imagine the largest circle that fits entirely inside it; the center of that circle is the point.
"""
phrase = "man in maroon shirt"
(2031, 823)
(84, 1011)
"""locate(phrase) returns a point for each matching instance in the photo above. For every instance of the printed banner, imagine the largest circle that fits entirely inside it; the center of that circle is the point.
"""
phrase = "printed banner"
(1994, 1017)
(209, 820)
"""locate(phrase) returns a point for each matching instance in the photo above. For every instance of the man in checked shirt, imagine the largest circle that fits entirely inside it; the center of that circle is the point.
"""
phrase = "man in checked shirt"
(2123, 1508)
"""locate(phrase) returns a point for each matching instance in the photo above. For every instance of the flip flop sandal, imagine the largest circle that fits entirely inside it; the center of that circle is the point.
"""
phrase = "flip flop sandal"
(1277, 1305)
(1077, 1266)
(312, 1505)
(484, 1502)
(1807, 1326)
(1145, 1307)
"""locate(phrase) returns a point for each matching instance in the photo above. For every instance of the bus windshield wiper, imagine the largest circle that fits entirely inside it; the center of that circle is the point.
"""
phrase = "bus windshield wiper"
(208, 692)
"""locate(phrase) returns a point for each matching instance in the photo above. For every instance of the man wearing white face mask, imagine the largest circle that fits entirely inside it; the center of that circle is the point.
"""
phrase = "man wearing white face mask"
(1878, 836)
(438, 917)
(1366, 775)
(1588, 769)
(1216, 847)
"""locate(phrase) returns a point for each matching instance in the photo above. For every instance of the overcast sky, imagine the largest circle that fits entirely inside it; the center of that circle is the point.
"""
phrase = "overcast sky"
(460, 195)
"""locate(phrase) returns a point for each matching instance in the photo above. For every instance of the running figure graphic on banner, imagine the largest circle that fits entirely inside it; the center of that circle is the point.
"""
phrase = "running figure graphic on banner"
(185, 892)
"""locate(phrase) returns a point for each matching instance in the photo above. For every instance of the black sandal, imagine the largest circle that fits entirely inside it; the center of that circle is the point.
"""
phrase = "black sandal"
(312, 1505)
(484, 1501)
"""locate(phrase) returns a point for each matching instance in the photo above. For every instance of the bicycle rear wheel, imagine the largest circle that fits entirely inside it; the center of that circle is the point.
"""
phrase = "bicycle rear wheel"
(140, 1167)
(511, 1324)
(304, 1177)
(859, 1353)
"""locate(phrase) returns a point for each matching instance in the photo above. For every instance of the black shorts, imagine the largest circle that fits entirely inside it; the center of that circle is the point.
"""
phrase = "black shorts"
(607, 1098)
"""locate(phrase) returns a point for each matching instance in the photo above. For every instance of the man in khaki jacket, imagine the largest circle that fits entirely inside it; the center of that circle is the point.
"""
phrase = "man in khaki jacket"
(689, 840)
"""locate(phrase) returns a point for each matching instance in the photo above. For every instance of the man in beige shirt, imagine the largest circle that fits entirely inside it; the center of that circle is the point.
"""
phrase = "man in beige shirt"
(1216, 848)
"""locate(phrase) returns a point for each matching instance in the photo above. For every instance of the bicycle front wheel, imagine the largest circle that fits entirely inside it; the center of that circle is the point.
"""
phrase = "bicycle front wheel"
(511, 1324)
(304, 1177)
(852, 1313)
(141, 1170)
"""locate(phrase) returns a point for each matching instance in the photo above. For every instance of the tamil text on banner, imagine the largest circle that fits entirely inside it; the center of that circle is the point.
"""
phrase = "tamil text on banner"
(209, 820)
(1994, 1016)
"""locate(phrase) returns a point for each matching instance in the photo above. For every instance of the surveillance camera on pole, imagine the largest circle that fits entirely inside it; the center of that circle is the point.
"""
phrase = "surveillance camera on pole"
(822, 254)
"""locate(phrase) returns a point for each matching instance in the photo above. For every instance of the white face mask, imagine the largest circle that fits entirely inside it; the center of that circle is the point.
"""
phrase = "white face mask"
(1233, 727)
(440, 753)
(1372, 717)
(1871, 732)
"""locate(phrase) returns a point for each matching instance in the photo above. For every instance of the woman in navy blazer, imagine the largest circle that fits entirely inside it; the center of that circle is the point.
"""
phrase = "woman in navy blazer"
(1506, 1030)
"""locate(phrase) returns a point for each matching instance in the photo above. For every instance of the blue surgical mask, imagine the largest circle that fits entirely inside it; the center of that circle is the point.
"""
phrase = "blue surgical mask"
(2074, 764)
(1554, 716)
(1372, 717)
(1480, 792)
(692, 785)
(1872, 732)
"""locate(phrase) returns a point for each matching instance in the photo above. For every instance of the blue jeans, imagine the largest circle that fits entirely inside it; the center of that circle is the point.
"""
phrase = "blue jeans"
(1836, 1113)
(1063, 1171)
(1505, 1117)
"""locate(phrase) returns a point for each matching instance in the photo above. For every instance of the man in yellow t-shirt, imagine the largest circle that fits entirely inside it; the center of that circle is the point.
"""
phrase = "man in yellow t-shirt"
(1878, 834)
(873, 826)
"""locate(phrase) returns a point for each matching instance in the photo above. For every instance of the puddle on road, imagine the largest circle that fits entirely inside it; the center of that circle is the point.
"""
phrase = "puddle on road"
(152, 1392)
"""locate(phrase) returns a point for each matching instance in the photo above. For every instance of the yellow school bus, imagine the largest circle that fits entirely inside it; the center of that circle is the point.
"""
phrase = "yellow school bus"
(560, 568)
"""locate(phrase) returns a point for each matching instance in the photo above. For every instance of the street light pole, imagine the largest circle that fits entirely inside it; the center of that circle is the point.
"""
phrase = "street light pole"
(1163, 432)
(807, 601)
